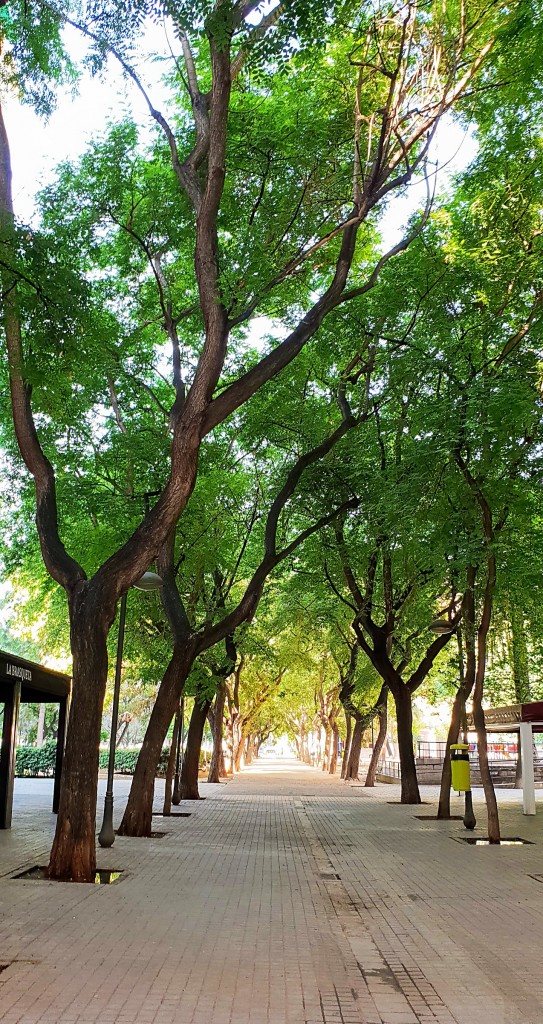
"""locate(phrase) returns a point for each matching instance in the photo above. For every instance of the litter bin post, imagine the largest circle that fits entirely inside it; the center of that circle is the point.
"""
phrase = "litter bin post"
(460, 780)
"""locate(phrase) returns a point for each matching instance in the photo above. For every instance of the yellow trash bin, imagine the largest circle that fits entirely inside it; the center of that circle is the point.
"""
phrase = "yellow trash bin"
(460, 780)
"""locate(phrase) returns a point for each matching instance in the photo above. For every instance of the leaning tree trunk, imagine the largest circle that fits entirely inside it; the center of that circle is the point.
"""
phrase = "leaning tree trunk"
(347, 747)
(467, 662)
(217, 759)
(353, 764)
(404, 719)
(191, 760)
(73, 854)
(240, 751)
(382, 714)
(138, 816)
(444, 806)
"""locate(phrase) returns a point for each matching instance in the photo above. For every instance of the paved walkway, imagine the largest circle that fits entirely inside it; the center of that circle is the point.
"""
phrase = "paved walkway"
(286, 897)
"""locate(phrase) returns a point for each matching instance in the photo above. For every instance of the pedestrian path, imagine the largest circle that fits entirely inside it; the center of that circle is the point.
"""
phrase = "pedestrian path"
(287, 897)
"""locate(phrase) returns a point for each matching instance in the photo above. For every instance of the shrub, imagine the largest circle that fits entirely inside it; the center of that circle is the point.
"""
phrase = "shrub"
(32, 762)
(125, 760)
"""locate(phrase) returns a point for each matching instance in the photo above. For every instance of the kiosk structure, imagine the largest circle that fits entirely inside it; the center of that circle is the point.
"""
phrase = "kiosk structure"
(525, 720)
(22, 681)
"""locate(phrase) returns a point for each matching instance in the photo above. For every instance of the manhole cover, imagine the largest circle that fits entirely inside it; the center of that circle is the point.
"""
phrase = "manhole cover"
(103, 876)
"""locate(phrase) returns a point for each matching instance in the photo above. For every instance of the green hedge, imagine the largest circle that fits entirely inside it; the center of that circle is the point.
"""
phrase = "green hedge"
(33, 762)
(125, 760)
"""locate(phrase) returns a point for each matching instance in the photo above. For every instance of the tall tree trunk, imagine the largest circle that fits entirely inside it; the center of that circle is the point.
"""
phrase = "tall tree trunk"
(382, 714)
(305, 748)
(347, 747)
(326, 752)
(191, 761)
(444, 805)
(170, 771)
(217, 760)
(240, 751)
(353, 763)
(248, 755)
(404, 719)
(138, 816)
(41, 726)
(478, 713)
(73, 854)
(467, 665)
(334, 749)
(518, 654)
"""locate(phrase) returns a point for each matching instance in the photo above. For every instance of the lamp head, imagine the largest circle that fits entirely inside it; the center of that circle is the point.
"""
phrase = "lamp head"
(149, 581)
(442, 626)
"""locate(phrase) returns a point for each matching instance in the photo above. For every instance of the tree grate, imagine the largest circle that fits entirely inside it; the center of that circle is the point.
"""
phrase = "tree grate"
(172, 814)
(485, 841)
(38, 873)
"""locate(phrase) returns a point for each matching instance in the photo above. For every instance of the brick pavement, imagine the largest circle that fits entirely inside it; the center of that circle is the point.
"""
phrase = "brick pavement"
(286, 897)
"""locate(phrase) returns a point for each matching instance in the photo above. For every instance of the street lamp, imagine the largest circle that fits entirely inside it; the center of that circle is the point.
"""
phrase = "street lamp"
(106, 838)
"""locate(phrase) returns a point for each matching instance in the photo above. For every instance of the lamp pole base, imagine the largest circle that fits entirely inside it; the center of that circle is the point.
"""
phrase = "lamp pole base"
(106, 837)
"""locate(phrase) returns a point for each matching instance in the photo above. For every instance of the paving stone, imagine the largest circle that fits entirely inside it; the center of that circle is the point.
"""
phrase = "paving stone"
(287, 897)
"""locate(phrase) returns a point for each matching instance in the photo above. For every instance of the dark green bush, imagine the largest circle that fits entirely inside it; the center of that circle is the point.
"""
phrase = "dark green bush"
(125, 760)
(31, 762)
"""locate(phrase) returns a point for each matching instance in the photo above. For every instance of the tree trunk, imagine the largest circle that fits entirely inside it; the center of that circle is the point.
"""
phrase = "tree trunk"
(189, 771)
(248, 755)
(138, 816)
(353, 763)
(41, 726)
(347, 747)
(478, 689)
(240, 751)
(73, 854)
(217, 759)
(170, 771)
(444, 806)
(382, 714)
(519, 654)
(404, 719)
(334, 749)
(326, 752)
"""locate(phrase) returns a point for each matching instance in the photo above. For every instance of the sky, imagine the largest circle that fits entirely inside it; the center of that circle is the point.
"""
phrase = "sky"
(37, 146)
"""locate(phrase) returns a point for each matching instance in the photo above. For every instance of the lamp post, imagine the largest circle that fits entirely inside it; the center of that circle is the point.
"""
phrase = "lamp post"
(106, 838)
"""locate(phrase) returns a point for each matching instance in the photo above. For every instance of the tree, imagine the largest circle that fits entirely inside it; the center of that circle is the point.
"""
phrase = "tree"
(409, 70)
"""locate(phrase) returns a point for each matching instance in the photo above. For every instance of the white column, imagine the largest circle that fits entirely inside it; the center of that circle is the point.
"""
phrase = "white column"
(527, 753)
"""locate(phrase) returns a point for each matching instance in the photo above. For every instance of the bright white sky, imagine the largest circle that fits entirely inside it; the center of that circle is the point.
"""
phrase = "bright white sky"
(37, 147)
